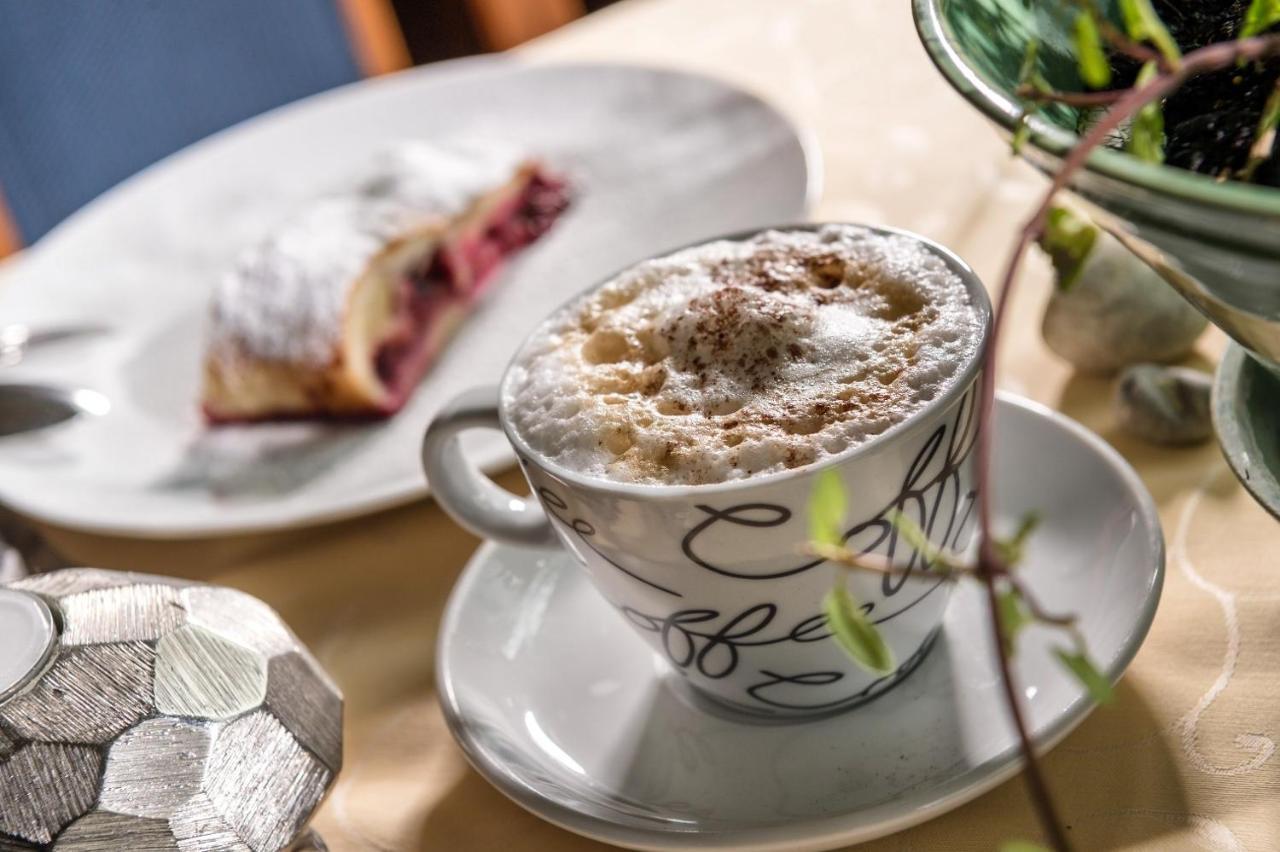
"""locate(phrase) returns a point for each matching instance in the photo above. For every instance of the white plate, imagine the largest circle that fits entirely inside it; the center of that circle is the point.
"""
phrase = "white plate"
(657, 158)
(559, 706)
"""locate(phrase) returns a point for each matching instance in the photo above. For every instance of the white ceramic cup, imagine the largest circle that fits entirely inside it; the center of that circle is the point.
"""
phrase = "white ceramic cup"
(714, 577)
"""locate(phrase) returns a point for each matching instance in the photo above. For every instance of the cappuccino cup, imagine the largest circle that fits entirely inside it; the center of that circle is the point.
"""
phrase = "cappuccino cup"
(673, 421)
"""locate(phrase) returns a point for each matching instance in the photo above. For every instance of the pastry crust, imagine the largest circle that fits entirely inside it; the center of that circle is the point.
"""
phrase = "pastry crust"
(339, 312)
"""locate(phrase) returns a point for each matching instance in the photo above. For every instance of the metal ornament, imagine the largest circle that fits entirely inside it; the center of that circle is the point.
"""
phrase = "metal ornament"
(168, 715)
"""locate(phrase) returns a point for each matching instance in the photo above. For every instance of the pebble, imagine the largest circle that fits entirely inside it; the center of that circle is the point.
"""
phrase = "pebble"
(1164, 405)
(1119, 312)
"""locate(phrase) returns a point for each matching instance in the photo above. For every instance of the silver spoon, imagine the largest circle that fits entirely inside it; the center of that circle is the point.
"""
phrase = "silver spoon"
(17, 338)
(24, 407)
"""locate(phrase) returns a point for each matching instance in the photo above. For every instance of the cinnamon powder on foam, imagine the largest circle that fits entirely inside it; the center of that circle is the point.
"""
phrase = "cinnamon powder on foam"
(734, 359)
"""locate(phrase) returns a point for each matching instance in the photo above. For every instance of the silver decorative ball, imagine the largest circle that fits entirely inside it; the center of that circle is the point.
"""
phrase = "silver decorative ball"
(163, 715)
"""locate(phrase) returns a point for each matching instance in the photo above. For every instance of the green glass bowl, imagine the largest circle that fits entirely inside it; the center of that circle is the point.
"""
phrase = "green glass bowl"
(1246, 399)
(1217, 243)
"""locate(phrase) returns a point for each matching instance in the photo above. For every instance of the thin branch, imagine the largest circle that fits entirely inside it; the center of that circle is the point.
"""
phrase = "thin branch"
(1205, 59)
(1038, 612)
(1119, 40)
(1032, 774)
(1075, 99)
(876, 564)
(1121, 43)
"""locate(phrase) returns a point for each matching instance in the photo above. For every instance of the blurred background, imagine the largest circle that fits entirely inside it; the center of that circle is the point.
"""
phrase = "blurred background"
(91, 93)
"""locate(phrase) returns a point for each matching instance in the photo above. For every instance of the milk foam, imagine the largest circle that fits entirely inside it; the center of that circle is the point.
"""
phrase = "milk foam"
(734, 359)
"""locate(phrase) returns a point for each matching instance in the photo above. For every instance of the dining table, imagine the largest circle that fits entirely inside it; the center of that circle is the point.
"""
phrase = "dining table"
(1184, 758)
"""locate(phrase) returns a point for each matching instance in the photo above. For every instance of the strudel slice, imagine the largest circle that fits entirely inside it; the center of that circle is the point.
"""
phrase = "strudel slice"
(340, 311)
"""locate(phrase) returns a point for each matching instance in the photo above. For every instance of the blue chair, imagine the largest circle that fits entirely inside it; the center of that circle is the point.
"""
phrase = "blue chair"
(92, 92)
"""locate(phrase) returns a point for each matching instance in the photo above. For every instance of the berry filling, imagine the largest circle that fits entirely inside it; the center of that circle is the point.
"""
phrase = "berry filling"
(454, 275)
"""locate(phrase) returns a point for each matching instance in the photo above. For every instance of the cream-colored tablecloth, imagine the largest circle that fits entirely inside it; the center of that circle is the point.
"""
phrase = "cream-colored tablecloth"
(1185, 760)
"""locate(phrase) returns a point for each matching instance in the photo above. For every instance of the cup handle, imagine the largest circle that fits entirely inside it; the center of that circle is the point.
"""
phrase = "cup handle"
(471, 498)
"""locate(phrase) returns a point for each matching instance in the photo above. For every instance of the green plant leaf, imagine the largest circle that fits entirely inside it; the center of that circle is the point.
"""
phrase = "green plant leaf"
(1143, 24)
(1030, 521)
(1021, 130)
(1146, 132)
(1068, 239)
(1029, 57)
(913, 535)
(1028, 75)
(1084, 670)
(1022, 846)
(1014, 616)
(826, 509)
(909, 530)
(1095, 70)
(855, 633)
(1264, 137)
(1012, 549)
(1261, 16)
(1270, 112)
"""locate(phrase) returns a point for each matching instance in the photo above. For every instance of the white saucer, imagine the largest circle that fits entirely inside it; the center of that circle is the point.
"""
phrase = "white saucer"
(658, 159)
(574, 718)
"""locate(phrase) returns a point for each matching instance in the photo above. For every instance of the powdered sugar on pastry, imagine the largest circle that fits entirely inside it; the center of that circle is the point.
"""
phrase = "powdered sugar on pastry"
(739, 358)
(285, 297)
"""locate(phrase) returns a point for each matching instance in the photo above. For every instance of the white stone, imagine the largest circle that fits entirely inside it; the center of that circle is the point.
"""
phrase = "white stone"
(1119, 312)
(1164, 405)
